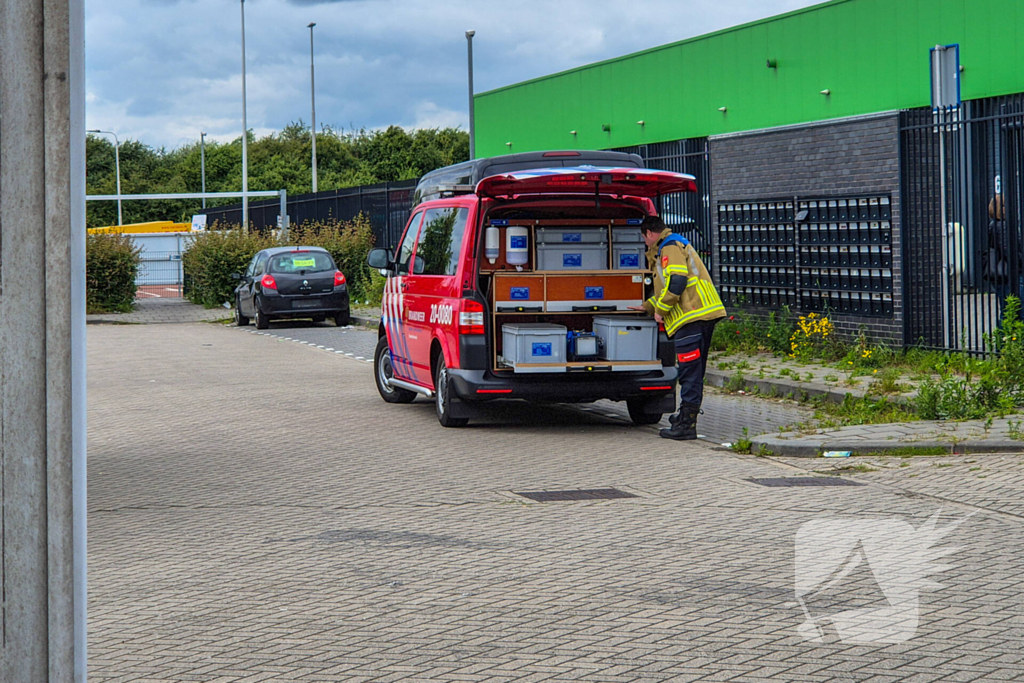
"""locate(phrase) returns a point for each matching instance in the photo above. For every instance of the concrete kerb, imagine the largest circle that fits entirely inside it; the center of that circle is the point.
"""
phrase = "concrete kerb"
(813, 448)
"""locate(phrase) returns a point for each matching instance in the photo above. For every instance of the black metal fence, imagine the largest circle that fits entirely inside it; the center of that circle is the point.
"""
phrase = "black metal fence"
(387, 205)
(687, 213)
(962, 185)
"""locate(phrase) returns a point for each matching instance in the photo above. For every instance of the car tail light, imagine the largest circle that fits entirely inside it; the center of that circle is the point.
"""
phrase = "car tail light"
(666, 388)
(561, 154)
(268, 282)
(339, 278)
(471, 317)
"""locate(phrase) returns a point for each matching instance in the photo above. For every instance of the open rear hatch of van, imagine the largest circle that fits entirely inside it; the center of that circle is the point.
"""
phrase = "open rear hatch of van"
(583, 180)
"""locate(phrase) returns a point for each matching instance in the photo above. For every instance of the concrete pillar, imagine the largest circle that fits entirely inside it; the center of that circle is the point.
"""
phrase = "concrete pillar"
(42, 391)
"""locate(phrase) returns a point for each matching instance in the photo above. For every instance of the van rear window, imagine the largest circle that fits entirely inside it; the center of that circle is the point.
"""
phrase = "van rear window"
(302, 261)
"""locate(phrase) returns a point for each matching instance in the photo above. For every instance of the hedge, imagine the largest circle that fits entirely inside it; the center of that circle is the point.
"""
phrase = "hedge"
(111, 266)
(212, 256)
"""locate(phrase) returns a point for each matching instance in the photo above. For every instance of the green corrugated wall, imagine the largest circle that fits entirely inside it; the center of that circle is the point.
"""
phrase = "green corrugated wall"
(871, 54)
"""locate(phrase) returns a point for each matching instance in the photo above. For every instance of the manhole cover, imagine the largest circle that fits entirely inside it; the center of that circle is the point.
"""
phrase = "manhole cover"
(578, 494)
(804, 481)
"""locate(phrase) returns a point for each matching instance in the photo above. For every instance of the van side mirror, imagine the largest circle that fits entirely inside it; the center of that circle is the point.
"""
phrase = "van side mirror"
(379, 259)
(236, 276)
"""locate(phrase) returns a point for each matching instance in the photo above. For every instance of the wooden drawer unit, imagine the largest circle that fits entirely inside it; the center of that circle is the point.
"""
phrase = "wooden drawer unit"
(600, 291)
(518, 293)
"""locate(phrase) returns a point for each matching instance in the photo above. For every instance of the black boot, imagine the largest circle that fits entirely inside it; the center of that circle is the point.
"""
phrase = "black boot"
(684, 423)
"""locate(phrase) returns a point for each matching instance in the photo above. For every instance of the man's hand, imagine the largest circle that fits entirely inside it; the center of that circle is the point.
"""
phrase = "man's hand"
(658, 319)
(635, 308)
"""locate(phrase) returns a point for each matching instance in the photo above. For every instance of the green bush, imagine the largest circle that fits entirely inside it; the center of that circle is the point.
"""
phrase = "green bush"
(111, 266)
(348, 244)
(212, 256)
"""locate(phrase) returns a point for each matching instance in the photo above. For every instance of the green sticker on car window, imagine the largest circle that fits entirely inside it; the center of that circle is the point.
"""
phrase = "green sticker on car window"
(303, 262)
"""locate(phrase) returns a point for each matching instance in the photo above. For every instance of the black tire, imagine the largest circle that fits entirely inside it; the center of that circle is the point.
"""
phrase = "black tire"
(343, 318)
(443, 396)
(638, 414)
(262, 322)
(382, 371)
(240, 320)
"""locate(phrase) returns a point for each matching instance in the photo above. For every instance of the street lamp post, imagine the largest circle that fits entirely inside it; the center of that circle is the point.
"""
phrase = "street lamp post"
(245, 139)
(117, 168)
(202, 162)
(312, 99)
(472, 128)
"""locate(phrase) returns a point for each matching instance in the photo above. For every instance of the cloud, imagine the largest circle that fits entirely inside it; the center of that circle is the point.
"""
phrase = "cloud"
(163, 71)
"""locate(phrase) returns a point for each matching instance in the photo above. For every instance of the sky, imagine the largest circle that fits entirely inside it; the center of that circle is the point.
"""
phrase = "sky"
(161, 71)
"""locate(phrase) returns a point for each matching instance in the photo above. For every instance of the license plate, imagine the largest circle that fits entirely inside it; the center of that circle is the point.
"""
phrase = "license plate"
(305, 303)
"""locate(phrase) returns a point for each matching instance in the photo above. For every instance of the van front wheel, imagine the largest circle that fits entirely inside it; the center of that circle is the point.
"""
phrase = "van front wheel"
(383, 372)
(442, 396)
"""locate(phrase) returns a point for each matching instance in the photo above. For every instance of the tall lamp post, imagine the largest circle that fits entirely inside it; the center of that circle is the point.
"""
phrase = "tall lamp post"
(312, 99)
(245, 139)
(117, 167)
(472, 128)
(202, 162)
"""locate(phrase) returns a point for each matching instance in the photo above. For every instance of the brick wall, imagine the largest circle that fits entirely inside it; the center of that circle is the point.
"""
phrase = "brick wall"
(836, 159)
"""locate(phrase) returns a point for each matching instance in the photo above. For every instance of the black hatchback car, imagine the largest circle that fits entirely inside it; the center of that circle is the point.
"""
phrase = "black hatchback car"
(291, 283)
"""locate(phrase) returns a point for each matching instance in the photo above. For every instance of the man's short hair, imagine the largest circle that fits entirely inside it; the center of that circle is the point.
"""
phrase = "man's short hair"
(652, 224)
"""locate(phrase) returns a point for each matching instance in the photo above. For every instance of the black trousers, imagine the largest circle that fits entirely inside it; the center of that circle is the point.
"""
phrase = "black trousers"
(693, 341)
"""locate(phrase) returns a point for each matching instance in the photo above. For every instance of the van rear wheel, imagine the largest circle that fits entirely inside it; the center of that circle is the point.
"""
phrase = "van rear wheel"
(383, 372)
(443, 396)
(637, 408)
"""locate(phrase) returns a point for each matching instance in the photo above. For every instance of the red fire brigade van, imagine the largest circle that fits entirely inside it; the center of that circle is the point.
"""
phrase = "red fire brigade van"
(515, 278)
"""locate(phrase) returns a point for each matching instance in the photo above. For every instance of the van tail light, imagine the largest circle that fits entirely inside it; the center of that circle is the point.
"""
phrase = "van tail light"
(268, 282)
(471, 317)
(339, 278)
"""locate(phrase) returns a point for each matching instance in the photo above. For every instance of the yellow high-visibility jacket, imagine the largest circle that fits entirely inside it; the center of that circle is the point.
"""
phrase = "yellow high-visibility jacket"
(698, 301)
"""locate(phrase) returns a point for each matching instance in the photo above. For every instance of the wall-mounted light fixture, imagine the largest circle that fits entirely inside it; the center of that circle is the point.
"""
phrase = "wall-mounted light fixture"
(509, 145)
(606, 127)
(826, 92)
(772, 63)
(640, 123)
(723, 109)
(572, 132)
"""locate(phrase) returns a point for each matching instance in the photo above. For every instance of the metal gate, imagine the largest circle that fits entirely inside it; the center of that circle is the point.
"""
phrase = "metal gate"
(961, 172)
(160, 273)
(687, 213)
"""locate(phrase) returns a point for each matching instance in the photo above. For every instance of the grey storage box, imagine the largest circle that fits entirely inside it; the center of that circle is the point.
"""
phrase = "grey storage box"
(531, 343)
(572, 235)
(627, 337)
(628, 249)
(572, 256)
(629, 257)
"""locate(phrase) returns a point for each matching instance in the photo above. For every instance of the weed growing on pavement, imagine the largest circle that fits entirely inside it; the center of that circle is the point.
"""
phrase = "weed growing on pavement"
(859, 411)
(1013, 430)
(736, 383)
(887, 381)
(744, 444)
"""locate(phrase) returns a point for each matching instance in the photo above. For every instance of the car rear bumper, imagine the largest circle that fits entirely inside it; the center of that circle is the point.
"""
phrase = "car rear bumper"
(477, 385)
(278, 306)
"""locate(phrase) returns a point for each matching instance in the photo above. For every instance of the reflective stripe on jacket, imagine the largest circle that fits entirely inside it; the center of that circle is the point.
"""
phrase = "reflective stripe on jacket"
(699, 301)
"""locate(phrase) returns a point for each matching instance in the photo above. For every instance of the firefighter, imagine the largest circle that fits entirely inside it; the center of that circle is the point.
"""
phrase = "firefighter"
(686, 302)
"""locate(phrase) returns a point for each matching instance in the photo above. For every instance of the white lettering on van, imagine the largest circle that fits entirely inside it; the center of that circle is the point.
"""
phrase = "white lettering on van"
(441, 314)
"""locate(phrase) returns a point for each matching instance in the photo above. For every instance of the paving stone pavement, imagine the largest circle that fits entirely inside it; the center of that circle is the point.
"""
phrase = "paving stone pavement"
(172, 310)
(257, 513)
(725, 416)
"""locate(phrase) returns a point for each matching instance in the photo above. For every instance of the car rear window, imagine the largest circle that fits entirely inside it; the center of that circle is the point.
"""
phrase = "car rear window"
(301, 262)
